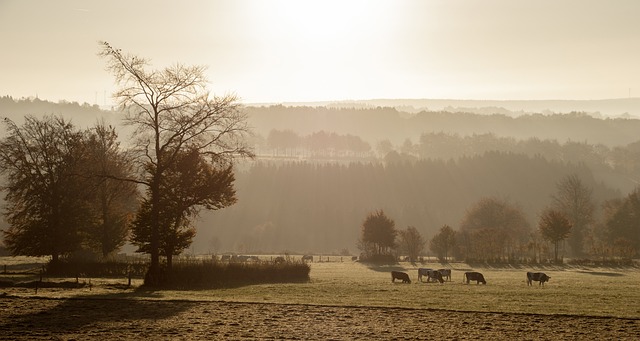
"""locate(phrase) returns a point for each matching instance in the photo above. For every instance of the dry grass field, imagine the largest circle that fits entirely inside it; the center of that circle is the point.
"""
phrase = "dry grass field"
(343, 301)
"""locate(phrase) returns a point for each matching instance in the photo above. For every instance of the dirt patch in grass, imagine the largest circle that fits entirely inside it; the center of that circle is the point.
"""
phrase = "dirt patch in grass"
(25, 318)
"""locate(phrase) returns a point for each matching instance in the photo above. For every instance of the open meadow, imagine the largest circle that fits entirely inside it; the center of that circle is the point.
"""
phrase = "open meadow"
(343, 300)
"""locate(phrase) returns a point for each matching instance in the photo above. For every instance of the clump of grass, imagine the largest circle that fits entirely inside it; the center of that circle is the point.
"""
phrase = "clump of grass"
(208, 274)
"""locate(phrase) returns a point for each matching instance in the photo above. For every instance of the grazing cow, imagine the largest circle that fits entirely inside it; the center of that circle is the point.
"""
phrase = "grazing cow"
(445, 273)
(279, 260)
(431, 274)
(403, 276)
(307, 258)
(423, 272)
(354, 258)
(474, 276)
(537, 276)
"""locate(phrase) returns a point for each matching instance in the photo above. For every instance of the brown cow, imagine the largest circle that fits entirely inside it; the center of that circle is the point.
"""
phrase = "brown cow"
(541, 277)
(474, 276)
(403, 276)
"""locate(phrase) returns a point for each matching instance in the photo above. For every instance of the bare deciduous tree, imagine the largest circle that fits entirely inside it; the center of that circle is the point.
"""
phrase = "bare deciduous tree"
(172, 110)
(574, 200)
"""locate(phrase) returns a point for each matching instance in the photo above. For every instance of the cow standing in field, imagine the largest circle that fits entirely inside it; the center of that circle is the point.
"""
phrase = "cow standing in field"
(431, 274)
(403, 276)
(446, 273)
(541, 277)
(307, 258)
(474, 276)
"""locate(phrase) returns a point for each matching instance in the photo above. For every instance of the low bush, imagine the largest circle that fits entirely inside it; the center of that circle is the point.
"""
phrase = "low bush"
(206, 274)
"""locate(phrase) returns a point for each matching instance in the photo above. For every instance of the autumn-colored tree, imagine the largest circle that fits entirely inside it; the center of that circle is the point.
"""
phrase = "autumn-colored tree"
(554, 227)
(113, 201)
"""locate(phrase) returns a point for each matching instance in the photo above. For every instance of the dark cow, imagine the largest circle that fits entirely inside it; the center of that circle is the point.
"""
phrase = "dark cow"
(537, 276)
(403, 276)
(306, 258)
(474, 276)
(431, 274)
(446, 273)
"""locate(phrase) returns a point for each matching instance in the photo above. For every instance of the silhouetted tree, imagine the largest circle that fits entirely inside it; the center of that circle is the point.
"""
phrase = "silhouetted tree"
(411, 242)
(443, 243)
(46, 199)
(378, 234)
(190, 184)
(172, 111)
(554, 227)
(113, 202)
(573, 198)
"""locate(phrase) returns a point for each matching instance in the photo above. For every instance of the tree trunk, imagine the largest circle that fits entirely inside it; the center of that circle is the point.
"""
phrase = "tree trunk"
(153, 275)
(169, 260)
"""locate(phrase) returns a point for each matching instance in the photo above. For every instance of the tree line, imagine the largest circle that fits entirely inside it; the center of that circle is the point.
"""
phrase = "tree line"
(318, 144)
(621, 162)
(313, 207)
(384, 123)
(495, 230)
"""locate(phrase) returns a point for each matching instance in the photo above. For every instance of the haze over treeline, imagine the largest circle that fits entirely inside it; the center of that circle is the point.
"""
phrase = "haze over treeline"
(424, 169)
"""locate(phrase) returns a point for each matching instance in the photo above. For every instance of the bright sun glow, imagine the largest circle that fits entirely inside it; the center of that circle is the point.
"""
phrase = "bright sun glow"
(309, 43)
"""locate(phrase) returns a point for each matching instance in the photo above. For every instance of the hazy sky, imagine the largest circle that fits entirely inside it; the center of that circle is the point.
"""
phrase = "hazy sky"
(295, 50)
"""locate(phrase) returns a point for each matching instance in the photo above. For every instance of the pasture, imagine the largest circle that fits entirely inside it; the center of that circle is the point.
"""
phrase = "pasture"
(342, 301)
(572, 290)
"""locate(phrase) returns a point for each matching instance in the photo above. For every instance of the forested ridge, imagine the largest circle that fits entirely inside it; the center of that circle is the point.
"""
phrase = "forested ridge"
(424, 170)
(375, 124)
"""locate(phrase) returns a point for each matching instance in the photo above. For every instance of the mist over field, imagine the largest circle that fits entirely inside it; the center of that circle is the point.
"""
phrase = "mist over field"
(321, 169)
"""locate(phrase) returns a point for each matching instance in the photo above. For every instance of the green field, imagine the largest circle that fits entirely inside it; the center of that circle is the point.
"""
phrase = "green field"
(611, 292)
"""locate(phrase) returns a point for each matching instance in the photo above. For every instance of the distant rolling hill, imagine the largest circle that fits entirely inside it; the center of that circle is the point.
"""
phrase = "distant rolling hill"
(621, 107)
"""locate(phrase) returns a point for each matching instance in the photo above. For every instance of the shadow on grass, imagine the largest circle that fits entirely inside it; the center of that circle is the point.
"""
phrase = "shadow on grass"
(78, 315)
(384, 267)
(600, 273)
